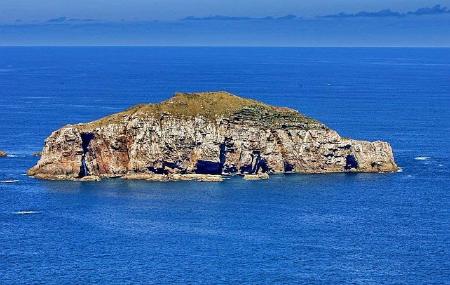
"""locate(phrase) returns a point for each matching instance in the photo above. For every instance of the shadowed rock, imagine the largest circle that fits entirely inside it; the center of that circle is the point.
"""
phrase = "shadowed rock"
(3, 154)
(209, 133)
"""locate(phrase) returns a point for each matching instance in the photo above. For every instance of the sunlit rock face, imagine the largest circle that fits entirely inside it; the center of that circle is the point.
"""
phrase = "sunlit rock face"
(214, 133)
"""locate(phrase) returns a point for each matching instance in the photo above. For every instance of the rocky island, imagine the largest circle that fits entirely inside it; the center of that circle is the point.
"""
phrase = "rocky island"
(204, 136)
(3, 154)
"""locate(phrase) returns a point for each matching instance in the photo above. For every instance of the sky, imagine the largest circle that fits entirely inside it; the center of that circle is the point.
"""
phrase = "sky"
(113, 10)
(346, 23)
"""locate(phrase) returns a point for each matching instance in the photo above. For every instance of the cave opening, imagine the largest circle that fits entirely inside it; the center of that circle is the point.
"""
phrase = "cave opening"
(257, 164)
(256, 159)
(213, 167)
(351, 162)
(262, 166)
(208, 167)
(86, 139)
(288, 167)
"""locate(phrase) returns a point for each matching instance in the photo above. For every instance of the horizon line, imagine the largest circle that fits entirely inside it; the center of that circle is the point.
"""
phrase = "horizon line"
(217, 46)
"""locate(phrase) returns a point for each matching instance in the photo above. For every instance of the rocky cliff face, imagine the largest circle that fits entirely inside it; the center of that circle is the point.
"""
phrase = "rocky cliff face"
(205, 133)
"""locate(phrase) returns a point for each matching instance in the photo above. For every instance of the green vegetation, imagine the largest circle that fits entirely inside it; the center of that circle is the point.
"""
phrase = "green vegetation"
(212, 105)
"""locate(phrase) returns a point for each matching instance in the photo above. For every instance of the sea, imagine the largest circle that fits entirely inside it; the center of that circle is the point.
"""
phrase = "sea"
(291, 229)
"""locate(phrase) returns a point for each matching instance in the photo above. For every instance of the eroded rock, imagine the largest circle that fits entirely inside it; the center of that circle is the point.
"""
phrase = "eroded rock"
(259, 176)
(205, 134)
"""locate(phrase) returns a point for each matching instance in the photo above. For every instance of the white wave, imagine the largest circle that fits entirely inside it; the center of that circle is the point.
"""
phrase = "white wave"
(26, 212)
(9, 181)
(422, 158)
(400, 169)
(16, 155)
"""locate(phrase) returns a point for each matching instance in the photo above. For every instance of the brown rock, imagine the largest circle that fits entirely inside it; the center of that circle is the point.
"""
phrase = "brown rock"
(205, 134)
(146, 176)
(66, 177)
(89, 178)
(3, 154)
(37, 154)
(196, 177)
(259, 176)
(173, 177)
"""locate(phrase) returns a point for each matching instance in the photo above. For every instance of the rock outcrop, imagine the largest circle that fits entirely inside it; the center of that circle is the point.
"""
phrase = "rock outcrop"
(258, 176)
(3, 154)
(213, 133)
(36, 154)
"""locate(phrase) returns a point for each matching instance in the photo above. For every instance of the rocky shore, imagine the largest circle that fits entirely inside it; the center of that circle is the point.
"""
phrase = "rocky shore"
(202, 136)
(36, 154)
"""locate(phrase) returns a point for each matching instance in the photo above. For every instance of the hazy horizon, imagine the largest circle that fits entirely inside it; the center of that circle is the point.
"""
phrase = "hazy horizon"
(399, 24)
(27, 10)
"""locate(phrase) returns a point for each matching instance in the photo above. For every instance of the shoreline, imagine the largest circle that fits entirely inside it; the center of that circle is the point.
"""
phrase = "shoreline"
(186, 177)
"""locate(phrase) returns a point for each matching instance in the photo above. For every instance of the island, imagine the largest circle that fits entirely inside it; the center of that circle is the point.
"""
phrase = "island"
(205, 137)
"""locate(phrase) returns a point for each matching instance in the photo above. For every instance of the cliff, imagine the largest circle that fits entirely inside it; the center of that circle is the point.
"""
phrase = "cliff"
(201, 134)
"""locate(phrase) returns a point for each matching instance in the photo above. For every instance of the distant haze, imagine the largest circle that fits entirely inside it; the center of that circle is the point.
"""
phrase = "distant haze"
(394, 25)
(33, 10)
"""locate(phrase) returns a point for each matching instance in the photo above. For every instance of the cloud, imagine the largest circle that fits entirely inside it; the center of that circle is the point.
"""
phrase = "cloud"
(385, 13)
(64, 20)
(412, 31)
(231, 18)
(381, 13)
(435, 10)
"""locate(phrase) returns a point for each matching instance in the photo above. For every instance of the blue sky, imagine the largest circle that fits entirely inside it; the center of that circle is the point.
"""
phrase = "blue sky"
(35, 10)
(411, 23)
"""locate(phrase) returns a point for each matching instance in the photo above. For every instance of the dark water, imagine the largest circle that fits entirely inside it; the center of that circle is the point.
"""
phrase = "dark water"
(361, 229)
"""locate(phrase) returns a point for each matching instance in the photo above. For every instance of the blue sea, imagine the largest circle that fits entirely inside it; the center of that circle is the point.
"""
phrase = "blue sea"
(311, 229)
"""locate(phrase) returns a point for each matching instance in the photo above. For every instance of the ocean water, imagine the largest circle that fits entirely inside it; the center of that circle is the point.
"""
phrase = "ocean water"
(314, 229)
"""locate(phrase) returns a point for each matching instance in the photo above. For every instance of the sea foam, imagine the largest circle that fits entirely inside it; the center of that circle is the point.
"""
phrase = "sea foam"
(9, 181)
(26, 212)
(422, 158)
